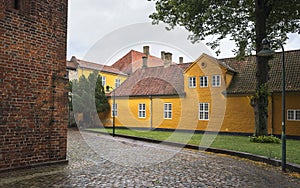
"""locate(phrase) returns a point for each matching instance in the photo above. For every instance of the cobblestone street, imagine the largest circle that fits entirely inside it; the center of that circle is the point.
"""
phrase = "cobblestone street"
(96, 161)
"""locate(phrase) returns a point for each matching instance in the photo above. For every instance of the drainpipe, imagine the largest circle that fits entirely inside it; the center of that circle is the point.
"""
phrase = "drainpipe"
(151, 108)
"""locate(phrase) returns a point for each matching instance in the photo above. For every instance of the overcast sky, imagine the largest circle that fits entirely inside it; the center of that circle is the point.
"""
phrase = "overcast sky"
(94, 21)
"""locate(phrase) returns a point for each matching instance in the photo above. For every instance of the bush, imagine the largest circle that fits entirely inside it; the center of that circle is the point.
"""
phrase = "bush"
(265, 139)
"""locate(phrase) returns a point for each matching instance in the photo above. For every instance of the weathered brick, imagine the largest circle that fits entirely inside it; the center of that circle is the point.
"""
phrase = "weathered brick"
(33, 103)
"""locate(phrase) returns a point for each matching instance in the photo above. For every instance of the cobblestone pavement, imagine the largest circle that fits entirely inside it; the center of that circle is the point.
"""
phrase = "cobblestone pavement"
(144, 165)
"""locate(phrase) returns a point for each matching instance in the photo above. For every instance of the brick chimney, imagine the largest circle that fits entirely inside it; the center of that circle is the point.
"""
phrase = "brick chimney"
(162, 55)
(168, 59)
(145, 62)
(146, 50)
(180, 60)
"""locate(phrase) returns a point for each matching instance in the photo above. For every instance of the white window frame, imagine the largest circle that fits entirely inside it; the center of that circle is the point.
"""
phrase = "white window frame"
(103, 80)
(216, 81)
(168, 113)
(292, 114)
(114, 106)
(192, 82)
(117, 82)
(204, 111)
(203, 83)
(142, 110)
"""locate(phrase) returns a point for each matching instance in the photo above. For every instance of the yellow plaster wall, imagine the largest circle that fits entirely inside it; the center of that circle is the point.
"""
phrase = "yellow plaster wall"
(205, 66)
(239, 116)
(110, 77)
(292, 102)
(128, 112)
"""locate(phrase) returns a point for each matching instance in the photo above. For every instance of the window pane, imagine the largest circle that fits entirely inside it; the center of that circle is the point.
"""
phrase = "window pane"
(297, 115)
(291, 115)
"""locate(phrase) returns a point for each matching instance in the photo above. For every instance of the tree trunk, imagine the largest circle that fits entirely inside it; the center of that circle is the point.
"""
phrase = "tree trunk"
(261, 99)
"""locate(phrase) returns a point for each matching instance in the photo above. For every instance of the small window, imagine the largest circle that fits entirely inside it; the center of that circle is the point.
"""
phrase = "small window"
(203, 81)
(168, 111)
(293, 115)
(192, 82)
(216, 81)
(142, 110)
(203, 111)
(117, 83)
(103, 81)
(114, 110)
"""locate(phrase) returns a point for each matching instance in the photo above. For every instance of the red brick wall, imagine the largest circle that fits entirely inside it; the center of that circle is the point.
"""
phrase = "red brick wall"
(33, 106)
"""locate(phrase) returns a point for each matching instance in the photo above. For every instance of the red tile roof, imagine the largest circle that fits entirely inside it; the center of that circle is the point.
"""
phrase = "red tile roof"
(154, 81)
(244, 81)
(133, 61)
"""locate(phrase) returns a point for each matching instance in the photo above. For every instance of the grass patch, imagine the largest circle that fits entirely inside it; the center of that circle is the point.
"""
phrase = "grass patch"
(229, 142)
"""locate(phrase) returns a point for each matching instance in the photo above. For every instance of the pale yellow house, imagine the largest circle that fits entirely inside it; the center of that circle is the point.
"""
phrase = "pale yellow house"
(110, 76)
(206, 95)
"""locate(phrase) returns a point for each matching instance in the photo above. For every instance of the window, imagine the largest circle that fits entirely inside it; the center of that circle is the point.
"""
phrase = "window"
(203, 111)
(103, 80)
(114, 110)
(142, 110)
(293, 115)
(216, 81)
(168, 111)
(117, 82)
(203, 81)
(192, 82)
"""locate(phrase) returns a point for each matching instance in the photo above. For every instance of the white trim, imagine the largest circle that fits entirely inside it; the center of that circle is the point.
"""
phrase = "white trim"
(204, 111)
(216, 80)
(116, 110)
(168, 110)
(142, 110)
(103, 80)
(204, 81)
(294, 114)
(192, 82)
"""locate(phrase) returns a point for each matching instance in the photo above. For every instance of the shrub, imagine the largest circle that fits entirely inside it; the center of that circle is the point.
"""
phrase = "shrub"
(265, 139)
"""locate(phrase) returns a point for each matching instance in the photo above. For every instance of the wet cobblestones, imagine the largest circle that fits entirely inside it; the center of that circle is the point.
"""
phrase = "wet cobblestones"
(89, 167)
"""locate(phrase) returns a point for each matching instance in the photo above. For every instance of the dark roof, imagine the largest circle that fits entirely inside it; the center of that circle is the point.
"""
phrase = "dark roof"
(244, 81)
(155, 81)
(74, 63)
(99, 67)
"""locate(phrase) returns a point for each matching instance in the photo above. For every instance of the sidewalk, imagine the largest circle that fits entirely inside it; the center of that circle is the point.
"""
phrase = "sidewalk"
(103, 161)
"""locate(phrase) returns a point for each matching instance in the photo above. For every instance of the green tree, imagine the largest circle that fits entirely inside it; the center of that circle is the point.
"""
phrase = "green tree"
(247, 22)
(88, 98)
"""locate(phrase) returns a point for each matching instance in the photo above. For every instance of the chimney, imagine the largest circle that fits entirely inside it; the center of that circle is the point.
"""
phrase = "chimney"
(145, 59)
(180, 60)
(73, 59)
(163, 55)
(146, 50)
(168, 59)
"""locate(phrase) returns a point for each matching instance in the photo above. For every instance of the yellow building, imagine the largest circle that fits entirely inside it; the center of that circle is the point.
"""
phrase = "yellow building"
(206, 95)
(110, 76)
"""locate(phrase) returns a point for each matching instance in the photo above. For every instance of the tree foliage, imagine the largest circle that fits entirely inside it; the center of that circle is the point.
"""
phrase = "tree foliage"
(247, 22)
(88, 96)
(230, 18)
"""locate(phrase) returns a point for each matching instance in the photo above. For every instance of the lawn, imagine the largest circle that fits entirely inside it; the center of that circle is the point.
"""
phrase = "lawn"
(236, 143)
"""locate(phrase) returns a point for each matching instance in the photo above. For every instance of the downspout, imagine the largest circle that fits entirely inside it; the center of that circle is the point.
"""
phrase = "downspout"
(151, 108)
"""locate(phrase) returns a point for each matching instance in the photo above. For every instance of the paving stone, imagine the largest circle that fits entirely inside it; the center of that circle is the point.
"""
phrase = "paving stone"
(102, 161)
